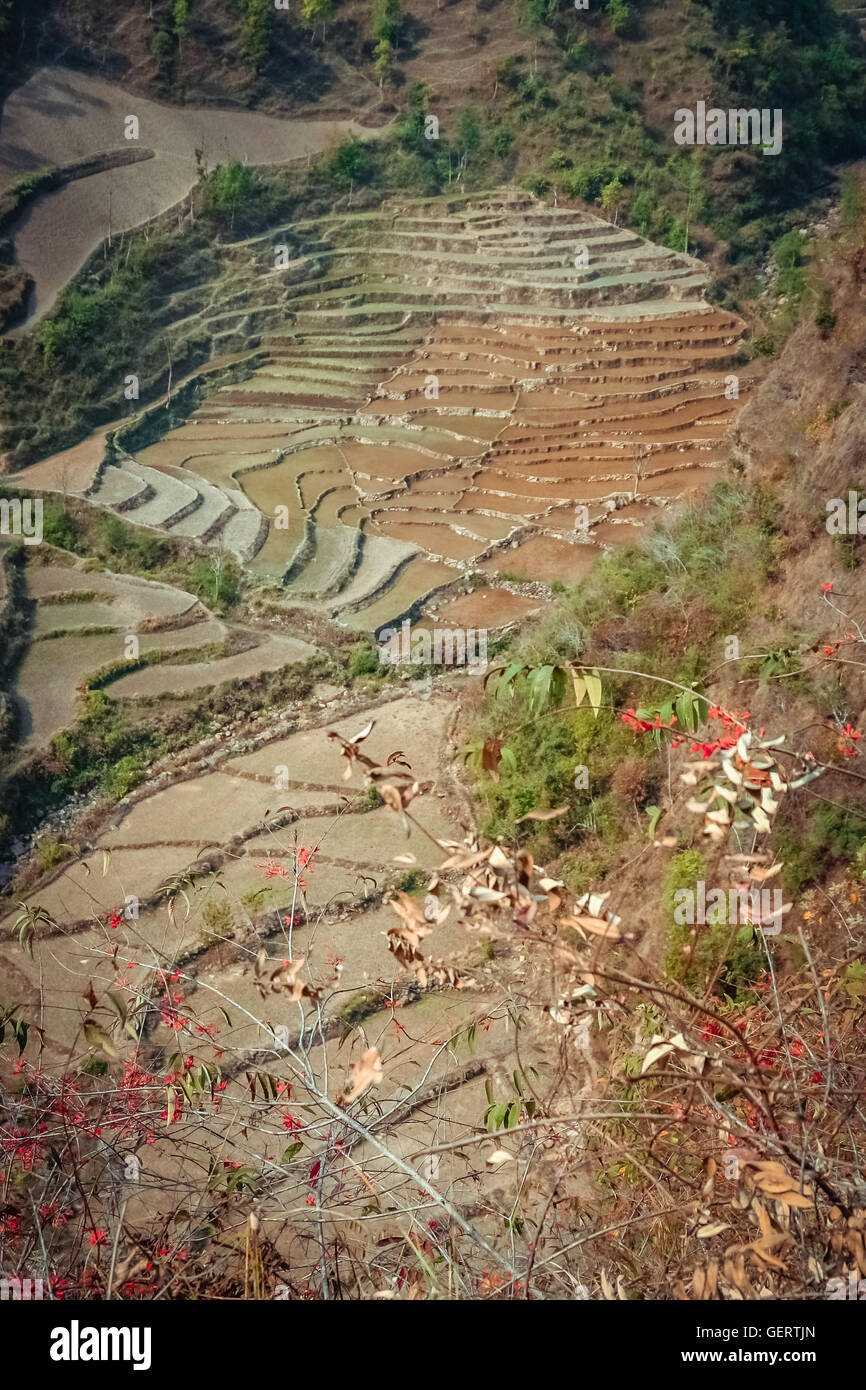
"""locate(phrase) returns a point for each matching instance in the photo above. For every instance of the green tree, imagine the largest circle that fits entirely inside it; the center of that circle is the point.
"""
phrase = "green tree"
(386, 20)
(618, 15)
(502, 141)
(642, 211)
(349, 163)
(613, 198)
(256, 33)
(468, 135)
(534, 13)
(181, 18)
(228, 189)
(383, 62)
(410, 131)
(317, 12)
(162, 47)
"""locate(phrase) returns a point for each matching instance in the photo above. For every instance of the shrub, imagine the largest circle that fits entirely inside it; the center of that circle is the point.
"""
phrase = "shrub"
(120, 779)
(217, 579)
(218, 921)
(412, 881)
(364, 659)
(618, 15)
(162, 47)
(789, 256)
(60, 527)
(349, 164)
(52, 852)
(641, 212)
(537, 184)
(501, 142)
(831, 833)
(630, 780)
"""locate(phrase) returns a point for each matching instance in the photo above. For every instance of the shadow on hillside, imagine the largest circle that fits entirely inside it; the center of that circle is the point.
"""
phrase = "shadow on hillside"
(413, 31)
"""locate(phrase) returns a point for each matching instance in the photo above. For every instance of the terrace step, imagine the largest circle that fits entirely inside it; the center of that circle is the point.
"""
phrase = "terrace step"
(329, 566)
(210, 516)
(246, 529)
(170, 500)
(120, 488)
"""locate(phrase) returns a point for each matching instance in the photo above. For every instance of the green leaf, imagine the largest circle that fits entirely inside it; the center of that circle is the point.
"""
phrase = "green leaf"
(290, 1152)
(654, 813)
(118, 1003)
(539, 682)
(507, 760)
(97, 1037)
(496, 1116)
(593, 688)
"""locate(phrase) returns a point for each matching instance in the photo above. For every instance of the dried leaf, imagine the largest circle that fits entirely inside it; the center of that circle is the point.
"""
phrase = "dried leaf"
(490, 756)
(366, 1072)
(597, 925)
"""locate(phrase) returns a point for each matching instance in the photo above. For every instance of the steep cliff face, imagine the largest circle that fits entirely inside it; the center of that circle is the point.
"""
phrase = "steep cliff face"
(803, 434)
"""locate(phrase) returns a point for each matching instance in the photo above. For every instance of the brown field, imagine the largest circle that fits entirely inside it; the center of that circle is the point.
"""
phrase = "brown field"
(442, 390)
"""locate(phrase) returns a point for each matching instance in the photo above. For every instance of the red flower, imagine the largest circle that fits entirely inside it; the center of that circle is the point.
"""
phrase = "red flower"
(847, 736)
(273, 869)
(828, 588)
(97, 1237)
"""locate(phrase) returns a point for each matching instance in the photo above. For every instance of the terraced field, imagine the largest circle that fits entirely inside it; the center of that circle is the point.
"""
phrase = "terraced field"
(190, 892)
(60, 116)
(443, 386)
(84, 621)
(219, 832)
